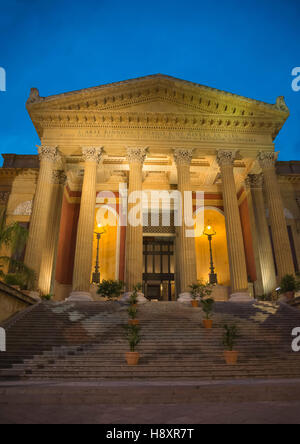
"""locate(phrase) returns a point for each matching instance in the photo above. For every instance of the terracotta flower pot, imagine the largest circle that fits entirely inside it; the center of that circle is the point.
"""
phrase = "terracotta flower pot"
(289, 295)
(231, 357)
(133, 322)
(207, 323)
(132, 358)
(195, 303)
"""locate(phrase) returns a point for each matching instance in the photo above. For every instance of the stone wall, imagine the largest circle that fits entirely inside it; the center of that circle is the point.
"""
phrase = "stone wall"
(12, 301)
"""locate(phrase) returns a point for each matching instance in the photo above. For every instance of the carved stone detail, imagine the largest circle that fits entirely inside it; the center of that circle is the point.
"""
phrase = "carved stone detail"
(92, 154)
(48, 153)
(183, 156)
(34, 96)
(4, 197)
(59, 177)
(137, 154)
(255, 180)
(225, 157)
(23, 209)
(266, 159)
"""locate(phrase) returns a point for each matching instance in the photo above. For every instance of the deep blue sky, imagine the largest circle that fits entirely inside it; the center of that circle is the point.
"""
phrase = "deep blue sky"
(245, 47)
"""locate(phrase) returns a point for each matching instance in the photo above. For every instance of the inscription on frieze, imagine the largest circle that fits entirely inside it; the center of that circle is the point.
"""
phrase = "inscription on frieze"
(165, 135)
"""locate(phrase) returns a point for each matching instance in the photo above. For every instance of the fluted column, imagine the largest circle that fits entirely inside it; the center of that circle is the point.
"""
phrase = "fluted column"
(52, 230)
(258, 284)
(134, 234)
(283, 254)
(263, 241)
(40, 212)
(236, 251)
(84, 240)
(186, 245)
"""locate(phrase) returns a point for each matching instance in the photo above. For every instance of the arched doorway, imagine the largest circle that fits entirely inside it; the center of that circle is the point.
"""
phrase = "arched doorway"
(215, 217)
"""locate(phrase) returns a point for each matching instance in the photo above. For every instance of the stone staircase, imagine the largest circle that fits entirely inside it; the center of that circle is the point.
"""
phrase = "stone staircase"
(85, 341)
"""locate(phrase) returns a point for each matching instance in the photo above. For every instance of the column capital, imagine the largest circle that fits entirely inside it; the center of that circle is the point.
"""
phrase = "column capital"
(92, 154)
(49, 153)
(254, 181)
(226, 157)
(266, 159)
(59, 177)
(183, 156)
(137, 154)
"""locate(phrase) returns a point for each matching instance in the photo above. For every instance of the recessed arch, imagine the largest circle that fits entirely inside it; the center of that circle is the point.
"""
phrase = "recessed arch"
(215, 216)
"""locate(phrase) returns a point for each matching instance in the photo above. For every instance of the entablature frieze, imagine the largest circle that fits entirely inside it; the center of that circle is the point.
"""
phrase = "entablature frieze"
(163, 121)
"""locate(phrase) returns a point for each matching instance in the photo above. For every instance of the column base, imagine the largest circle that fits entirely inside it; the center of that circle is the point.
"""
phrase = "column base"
(185, 297)
(220, 293)
(35, 295)
(126, 296)
(240, 297)
(79, 296)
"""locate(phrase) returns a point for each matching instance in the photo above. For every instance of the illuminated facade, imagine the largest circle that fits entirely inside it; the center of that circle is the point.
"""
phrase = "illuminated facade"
(155, 133)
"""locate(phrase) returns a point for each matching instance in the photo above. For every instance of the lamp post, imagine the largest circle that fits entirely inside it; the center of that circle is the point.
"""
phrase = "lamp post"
(96, 274)
(210, 232)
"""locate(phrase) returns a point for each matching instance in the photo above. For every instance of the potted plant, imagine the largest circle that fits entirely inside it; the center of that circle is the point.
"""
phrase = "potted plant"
(229, 339)
(195, 294)
(207, 307)
(133, 300)
(132, 312)
(133, 337)
(289, 286)
(47, 297)
(199, 291)
(110, 288)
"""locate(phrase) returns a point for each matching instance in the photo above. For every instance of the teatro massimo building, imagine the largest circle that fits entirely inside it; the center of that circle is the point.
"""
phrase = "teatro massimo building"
(156, 133)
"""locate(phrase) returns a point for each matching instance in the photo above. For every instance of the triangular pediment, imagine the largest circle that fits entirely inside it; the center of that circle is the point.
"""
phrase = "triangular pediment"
(156, 94)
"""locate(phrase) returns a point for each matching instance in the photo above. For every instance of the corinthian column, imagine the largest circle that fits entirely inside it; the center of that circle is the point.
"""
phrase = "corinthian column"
(134, 234)
(186, 245)
(84, 242)
(283, 254)
(263, 241)
(52, 230)
(40, 212)
(236, 251)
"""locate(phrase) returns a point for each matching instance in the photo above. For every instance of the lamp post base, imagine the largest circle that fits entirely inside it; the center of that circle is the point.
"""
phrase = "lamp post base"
(213, 279)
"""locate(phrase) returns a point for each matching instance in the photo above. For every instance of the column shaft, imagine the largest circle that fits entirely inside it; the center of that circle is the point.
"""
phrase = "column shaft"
(186, 248)
(258, 284)
(236, 251)
(52, 231)
(134, 235)
(40, 212)
(264, 246)
(283, 254)
(84, 241)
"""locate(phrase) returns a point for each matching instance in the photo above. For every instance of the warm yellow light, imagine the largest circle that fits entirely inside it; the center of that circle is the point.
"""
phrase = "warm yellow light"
(209, 230)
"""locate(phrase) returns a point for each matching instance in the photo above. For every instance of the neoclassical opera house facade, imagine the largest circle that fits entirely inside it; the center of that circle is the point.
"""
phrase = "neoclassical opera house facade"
(155, 133)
